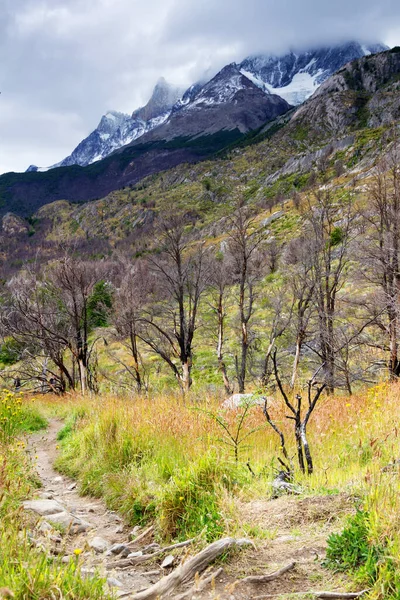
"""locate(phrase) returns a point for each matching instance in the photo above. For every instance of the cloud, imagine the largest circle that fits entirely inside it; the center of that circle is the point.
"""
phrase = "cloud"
(66, 62)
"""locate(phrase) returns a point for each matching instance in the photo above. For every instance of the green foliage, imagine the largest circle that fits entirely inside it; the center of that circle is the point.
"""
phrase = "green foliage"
(17, 417)
(10, 351)
(191, 503)
(353, 550)
(300, 133)
(71, 423)
(337, 236)
(99, 304)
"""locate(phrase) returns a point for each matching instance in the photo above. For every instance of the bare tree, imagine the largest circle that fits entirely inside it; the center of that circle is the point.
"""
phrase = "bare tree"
(129, 303)
(244, 241)
(180, 280)
(301, 282)
(381, 250)
(72, 281)
(31, 316)
(220, 282)
(300, 419)
(328, 225)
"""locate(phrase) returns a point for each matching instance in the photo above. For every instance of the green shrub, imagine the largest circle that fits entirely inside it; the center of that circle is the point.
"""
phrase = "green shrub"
(10, 352)
(191, 503)
(352, 549)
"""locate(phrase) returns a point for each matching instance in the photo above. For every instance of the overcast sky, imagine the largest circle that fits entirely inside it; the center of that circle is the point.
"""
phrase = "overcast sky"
(64, 63)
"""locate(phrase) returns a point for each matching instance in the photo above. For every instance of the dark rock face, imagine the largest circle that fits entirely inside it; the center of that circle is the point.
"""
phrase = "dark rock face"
(161, 102)
(364, 92)
(229, 101)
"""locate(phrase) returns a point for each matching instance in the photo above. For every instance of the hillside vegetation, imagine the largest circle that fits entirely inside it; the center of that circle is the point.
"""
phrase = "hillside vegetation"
(271, 270)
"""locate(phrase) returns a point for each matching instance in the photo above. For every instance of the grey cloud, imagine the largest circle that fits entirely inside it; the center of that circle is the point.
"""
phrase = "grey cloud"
(65, 62)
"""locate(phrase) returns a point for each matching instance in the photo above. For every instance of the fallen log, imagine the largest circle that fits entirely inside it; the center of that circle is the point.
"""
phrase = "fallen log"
(188, 570)
(269, 577)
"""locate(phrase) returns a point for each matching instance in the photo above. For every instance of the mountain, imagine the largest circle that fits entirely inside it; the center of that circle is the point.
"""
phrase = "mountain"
(117, 129)
(229, 102)
(350, 112)
(295, 76)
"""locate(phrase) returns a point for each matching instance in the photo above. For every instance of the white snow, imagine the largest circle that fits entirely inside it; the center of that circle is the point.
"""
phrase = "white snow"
(302, 86)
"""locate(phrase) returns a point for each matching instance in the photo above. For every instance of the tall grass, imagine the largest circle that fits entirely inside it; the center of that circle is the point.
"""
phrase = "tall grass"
(160, 459)
(26, 572)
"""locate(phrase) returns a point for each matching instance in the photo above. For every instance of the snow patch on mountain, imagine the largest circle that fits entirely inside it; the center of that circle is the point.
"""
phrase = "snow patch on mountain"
(295, 76)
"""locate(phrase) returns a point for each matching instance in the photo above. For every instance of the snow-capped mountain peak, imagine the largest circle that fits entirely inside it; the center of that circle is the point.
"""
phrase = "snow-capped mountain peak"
(293, 76)
(223, 87)
(296, 75)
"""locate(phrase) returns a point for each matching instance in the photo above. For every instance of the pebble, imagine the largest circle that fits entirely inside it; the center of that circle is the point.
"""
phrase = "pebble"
(58, 479)
(119, 549)
(168, 561)
(44, 527)
(46, 495)
(135, 554)
(112, 582)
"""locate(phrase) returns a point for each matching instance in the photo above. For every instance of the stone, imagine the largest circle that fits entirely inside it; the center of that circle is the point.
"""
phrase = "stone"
(44, 527)
(135, 554)
(135, 531)
(43, 507)
(58, 479)
(120, 529)
(99, 544)
(71, 486)
(65, 519)
(276, 215)
(66, 559)
(285, 538)
(46, 495)
(168, 561)
(119, 549)
(112, 582)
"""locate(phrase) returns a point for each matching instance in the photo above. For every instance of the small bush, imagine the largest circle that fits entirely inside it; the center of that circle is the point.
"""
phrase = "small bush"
(353, 550)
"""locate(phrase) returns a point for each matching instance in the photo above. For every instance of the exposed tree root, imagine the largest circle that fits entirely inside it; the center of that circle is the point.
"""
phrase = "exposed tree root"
(188, 570)
(270, 577)
(137, 560)
(200, 585)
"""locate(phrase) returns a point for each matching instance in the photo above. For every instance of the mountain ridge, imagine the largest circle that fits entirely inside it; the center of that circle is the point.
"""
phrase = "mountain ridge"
(293, 76)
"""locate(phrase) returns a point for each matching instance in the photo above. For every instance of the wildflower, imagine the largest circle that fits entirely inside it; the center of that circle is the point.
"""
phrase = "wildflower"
(78, 551)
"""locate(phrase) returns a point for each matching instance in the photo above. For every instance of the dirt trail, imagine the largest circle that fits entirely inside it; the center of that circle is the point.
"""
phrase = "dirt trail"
(294, 530)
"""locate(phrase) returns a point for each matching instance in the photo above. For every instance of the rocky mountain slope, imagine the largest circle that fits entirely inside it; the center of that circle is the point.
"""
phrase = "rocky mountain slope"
(295, 76)
(350, 115)
(229, 102)
(118, 129)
